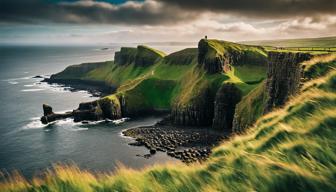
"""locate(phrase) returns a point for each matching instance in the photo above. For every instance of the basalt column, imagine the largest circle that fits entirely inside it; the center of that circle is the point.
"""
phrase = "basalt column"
(225, 103)
(283, 77)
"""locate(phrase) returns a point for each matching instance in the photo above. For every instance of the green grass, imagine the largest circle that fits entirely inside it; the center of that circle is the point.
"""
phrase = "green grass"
(290, 149)
(246, 54)
(302, 43)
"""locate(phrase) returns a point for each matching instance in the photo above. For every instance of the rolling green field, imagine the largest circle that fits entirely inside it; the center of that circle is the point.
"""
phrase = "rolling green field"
(305, 43)
(289, 149)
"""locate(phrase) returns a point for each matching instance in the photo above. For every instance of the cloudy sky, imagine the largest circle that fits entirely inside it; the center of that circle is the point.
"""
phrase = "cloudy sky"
(122, 21)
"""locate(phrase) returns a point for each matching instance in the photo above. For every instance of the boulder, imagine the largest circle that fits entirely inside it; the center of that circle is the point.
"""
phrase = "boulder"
(47, 110)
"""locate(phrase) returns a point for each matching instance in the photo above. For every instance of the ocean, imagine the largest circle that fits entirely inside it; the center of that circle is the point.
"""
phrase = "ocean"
(30, 147)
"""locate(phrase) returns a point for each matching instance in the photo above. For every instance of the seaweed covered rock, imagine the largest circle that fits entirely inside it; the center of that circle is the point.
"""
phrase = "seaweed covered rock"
(218, 56)
(225, 103)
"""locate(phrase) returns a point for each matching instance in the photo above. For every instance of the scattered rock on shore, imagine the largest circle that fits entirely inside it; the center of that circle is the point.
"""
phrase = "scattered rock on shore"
(187, 144)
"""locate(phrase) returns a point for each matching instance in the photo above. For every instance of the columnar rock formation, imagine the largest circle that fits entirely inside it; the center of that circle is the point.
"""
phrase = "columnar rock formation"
(283, 77)
(140, 56)
(225, 103)
(125, 56)
(283, 81)
(198, 113)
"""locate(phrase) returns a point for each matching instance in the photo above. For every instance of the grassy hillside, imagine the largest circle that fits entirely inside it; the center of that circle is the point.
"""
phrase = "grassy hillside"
(290, 149)
(305, 42)
(147, 79)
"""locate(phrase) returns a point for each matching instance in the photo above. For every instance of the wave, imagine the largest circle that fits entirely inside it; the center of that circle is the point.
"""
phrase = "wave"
(80, 129)
(29, 85)
(31, 90)
(13, 82)
(35, 124)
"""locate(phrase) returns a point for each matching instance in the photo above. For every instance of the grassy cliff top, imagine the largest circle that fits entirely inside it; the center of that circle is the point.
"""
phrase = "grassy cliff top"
(184, 57)
(220, 47)
(148, 50)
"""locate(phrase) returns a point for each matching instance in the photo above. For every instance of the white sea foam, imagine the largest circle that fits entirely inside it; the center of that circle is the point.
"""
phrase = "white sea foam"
(80, 129)
(35, 124)
(29, 85)
(119, 121)
(31, 90)
(13, 82)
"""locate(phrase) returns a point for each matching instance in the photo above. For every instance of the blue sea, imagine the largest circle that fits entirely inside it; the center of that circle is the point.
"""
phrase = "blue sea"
(30, 147)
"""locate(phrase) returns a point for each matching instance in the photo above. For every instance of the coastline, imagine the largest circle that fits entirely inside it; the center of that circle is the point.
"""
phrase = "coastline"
(95, 88)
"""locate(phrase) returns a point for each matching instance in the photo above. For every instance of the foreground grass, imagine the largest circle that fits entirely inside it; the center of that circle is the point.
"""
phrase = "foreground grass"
(291, 149)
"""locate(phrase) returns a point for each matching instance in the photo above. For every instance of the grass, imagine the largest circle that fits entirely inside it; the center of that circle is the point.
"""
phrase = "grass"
(295, 43)
(290, 149)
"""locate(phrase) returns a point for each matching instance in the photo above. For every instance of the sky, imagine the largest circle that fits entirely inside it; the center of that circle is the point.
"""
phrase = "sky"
(53, 22)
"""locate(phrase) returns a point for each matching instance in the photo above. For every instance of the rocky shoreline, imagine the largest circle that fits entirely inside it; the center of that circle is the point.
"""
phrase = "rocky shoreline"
(95, 88)
(187, 144)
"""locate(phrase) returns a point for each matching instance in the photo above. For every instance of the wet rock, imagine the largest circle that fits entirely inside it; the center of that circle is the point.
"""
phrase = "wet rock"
(170, 139)
(47, 110)
(152, 151)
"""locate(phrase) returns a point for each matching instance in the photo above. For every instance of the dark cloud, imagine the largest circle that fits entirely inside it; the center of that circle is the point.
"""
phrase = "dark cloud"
(153, 12)
(89, 11)
(259, 8)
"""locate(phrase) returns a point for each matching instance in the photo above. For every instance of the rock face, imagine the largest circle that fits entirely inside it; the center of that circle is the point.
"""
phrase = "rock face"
(89, 111)
(283, 77)
(213, 64)
(47, 110)
(141, 56)
(198, 112)
(225, 102)
(125, 56)
(283, 81)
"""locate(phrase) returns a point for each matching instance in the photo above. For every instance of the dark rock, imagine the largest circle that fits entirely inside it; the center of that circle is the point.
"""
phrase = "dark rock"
(198, 113)
(152, 151)
(47, 110)
(225, 103)
(283, 77)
